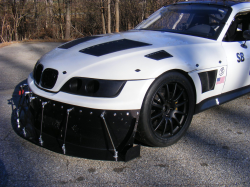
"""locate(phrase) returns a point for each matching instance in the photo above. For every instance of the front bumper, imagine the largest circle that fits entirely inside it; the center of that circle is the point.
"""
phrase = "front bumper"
(78, 131)
(130, 98)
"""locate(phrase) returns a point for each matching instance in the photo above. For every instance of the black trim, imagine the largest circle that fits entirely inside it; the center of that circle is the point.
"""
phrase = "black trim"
(93, 87)
(223, 98)
(113, 46)
(159, 55)
(78, 41)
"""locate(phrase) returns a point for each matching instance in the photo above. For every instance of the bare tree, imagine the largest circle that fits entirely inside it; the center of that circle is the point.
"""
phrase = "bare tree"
(18, 13)
(109, 16)
(103, 17)
(32, 19)
(68, 20)
(117, 16)
(49, 14)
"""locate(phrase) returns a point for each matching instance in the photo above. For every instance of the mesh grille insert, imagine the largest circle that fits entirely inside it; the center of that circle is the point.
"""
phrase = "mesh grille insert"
(49, 78)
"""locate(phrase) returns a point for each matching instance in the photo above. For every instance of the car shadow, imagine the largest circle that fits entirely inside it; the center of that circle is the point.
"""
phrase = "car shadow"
(3, 175)
(201, 146)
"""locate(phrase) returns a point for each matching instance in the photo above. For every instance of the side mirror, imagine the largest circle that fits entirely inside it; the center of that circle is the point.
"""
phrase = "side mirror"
(246, 34)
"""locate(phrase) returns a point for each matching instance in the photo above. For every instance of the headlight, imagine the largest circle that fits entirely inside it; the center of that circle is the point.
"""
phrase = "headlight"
(93, 87)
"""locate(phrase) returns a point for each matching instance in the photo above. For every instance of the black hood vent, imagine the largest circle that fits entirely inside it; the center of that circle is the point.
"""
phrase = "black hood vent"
(78, 41)
(49, 78)
(159, 55)
(111, 47)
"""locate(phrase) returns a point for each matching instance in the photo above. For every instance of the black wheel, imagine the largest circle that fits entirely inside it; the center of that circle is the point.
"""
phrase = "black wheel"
(167, 110)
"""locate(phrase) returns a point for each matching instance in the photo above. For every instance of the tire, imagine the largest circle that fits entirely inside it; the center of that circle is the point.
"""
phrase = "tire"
(167, 110)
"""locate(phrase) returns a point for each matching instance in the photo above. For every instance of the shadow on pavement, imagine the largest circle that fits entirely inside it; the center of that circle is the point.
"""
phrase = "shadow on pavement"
(3, 175)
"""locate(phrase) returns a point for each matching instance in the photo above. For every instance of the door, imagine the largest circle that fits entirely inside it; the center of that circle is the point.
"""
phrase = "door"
(238, 53)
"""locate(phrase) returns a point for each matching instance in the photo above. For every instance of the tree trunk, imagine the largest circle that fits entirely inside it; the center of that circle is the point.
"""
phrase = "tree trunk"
(109, 17)
(3, 25)
(117, 17)
(15, 16)
(62, 30)
(15, 30)
(46, 18)
(49, 10)
(129, 26)
(36, 15)
(68, 20)
(103, 18)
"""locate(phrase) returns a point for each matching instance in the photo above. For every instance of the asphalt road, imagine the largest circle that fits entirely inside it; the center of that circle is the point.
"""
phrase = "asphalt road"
(214, 152)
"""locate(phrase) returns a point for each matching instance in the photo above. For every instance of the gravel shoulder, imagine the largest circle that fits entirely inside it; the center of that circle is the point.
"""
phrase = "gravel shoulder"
(214, 152)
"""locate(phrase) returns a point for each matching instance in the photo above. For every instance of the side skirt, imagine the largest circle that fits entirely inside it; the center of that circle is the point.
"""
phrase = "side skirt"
(221, 99)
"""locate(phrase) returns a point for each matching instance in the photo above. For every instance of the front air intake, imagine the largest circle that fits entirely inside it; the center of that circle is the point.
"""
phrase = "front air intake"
(208, 79)
(49, 78)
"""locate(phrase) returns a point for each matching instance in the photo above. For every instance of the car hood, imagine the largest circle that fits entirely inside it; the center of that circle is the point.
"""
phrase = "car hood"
(102, 57)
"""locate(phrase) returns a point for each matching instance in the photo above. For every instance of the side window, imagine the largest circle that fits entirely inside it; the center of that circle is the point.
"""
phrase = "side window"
(240, 23)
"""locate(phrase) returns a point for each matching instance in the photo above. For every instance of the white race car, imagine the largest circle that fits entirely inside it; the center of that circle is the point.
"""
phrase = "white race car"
(90, 97)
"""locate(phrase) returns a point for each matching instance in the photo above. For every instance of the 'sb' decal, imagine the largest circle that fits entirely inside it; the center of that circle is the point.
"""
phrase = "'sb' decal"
(240, 57)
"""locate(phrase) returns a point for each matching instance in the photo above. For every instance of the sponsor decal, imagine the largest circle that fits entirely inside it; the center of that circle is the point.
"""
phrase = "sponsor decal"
(220, 80)
(240, 57)
(222, 70)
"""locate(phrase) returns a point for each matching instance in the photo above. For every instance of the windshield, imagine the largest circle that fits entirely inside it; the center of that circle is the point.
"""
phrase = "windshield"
(192, 19)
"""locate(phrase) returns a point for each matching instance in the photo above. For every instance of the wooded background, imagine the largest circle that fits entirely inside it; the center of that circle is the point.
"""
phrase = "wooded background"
(69, 19)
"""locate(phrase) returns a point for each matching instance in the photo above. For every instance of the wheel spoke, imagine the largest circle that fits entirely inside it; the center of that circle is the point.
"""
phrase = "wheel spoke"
(179, 96)
(177, 120)
(182, 103)
(156, 116)
(179, 112)
(159, 124)
(171, 127)
(157, 101)
(175, 88)
(157, 106)
(168, 91)
(161, 97)
(170, 105)
(165, 127)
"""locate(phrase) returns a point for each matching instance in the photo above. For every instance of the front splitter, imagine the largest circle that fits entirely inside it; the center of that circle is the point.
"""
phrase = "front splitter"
(78, 131)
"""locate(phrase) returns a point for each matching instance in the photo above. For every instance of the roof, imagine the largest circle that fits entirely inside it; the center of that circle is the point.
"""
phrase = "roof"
(220, 2)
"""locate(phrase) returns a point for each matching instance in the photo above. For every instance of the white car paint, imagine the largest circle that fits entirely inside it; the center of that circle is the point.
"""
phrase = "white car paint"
(130, 98)
(191, 54)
